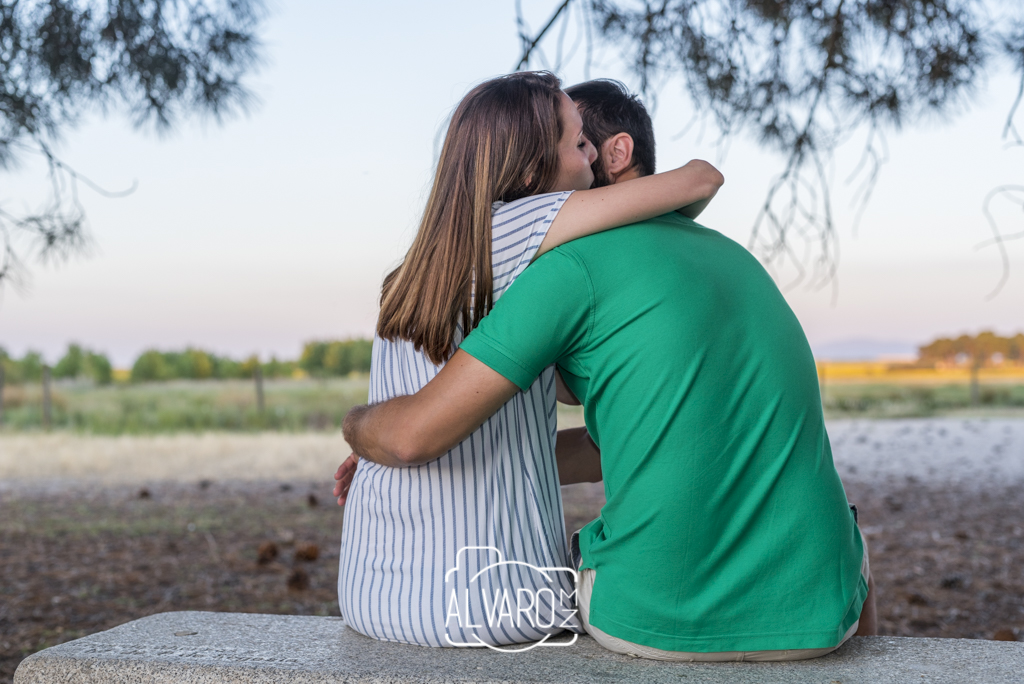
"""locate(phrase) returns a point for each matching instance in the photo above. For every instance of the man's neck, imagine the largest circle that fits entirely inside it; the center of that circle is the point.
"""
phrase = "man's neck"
(627, 174)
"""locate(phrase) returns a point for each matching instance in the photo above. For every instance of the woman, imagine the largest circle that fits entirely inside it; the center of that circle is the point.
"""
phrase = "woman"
(511, 183)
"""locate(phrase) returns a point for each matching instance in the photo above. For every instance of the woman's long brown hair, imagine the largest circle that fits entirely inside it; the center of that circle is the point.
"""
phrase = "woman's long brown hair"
(502, 144)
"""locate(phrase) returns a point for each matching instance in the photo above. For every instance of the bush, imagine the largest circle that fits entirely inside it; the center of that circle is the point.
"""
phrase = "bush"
(192, 364)
(150, 367)
(248, 367)
(226, 369)
(72, 365)
(28, 369)
(312, 359)
(327, 358)
(100, 369)
(279, 369)
(78, 363)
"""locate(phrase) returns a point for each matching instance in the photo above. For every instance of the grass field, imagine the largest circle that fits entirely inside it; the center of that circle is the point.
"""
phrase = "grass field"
(915, 400)
(901, 390)
(186, 405)
(320, 405)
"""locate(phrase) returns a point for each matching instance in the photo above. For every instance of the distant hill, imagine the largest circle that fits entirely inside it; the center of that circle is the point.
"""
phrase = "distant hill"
(864, 349)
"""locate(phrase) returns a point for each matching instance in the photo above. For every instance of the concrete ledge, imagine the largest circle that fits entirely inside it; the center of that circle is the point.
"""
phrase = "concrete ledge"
(207, 648)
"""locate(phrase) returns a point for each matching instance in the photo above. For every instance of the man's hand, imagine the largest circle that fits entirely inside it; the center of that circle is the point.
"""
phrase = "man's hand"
(346, 471)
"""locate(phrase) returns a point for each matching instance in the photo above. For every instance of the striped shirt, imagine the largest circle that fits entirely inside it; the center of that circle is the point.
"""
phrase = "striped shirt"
(445, 554)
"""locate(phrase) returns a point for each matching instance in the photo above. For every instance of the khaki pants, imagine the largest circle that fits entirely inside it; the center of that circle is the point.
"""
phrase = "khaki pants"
(585, 590)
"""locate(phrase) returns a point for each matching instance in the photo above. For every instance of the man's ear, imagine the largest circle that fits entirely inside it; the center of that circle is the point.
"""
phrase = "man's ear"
(618, 153)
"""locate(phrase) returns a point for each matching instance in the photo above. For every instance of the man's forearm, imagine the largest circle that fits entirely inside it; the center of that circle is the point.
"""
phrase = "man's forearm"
(370, 434)
(579, 459)
(418, 428)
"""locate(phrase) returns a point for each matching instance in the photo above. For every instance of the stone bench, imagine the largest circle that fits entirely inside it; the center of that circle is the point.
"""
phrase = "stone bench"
(194, 647)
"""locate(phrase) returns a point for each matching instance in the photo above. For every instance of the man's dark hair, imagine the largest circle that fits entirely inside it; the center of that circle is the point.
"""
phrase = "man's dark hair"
(608, 109)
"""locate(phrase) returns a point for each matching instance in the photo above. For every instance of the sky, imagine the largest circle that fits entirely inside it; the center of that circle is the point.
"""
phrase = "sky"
(277, 227)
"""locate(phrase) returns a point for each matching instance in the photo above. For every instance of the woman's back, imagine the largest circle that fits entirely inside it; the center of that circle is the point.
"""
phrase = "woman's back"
(404, 528)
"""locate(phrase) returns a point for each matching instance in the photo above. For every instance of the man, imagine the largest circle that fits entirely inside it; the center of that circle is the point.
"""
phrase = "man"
(726, 534)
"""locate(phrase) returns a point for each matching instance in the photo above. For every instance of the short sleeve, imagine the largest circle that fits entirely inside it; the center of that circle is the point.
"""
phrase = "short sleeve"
(543, 317)
(517, 230)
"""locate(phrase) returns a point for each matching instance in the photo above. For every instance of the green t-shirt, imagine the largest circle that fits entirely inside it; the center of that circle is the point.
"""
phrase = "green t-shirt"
(726, 526)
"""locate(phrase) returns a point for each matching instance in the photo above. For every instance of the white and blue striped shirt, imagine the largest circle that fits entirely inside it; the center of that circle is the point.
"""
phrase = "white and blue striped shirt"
(404, 528)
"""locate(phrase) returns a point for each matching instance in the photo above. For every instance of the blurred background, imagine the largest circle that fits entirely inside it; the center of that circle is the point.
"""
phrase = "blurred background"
(196, 224)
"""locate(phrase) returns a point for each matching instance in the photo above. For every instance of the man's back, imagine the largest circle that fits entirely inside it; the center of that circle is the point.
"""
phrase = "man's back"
(726, 526)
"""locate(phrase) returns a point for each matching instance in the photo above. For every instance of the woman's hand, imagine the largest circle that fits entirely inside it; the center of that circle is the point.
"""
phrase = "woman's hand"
(346, 471)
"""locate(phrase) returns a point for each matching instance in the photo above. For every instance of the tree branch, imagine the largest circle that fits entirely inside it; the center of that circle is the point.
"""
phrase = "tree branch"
(528, 44)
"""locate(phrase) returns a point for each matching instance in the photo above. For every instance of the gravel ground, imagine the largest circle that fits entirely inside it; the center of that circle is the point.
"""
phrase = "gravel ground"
(156, 525)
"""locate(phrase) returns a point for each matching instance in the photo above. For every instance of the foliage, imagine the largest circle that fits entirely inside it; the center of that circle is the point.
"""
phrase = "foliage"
(82, 363)
(150, 367)
(801, 76)
(981, 350)
(196, 364)
(324, 358)
(77, 363)
(28, 369)
(320, 359)
(279, 369)
(157, 59)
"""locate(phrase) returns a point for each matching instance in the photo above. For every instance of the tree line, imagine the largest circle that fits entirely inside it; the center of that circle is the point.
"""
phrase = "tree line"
(319, 358)
(78, 362)
(984, 349)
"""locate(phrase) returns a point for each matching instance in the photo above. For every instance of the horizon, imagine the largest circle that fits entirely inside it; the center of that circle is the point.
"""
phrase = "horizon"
(847, 349)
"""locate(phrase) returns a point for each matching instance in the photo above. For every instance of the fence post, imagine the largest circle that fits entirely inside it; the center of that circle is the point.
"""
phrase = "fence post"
(1, 391)
(47, 403)
(258, 376)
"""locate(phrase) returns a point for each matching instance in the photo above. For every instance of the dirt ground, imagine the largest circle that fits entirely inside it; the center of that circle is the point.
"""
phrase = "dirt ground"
(128, 459)
(75, 561)
(948, 561)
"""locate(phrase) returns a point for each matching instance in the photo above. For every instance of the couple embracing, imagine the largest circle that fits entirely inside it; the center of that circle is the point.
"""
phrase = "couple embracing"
(552, 262)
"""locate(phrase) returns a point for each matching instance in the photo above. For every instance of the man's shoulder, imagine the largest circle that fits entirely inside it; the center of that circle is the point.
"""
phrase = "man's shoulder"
(677, 220)
(558, 268)
(647, 248)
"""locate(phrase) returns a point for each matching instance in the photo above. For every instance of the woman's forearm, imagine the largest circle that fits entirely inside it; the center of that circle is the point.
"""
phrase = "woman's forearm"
(694, 210)
(417, 428)
(586, 212)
